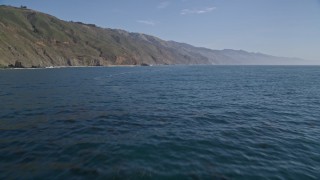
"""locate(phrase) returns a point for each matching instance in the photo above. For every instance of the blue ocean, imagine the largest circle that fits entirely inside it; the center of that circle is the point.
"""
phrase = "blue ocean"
(160, 122)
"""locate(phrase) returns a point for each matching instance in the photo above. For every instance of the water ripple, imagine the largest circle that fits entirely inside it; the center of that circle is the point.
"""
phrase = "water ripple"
(180, 122)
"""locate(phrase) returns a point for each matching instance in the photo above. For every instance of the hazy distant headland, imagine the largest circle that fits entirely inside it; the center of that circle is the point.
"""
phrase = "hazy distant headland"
(33, 39)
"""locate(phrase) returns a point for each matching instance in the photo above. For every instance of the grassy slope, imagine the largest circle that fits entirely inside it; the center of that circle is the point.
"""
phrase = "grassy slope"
(36, 38)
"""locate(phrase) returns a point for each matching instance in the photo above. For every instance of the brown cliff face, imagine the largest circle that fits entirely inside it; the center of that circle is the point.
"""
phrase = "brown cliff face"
(37, 39)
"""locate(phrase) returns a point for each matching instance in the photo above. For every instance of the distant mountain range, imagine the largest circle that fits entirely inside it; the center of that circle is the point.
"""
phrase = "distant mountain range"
(31, 38)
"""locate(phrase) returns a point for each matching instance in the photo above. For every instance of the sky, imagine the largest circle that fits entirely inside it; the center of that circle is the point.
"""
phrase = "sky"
(289, 28)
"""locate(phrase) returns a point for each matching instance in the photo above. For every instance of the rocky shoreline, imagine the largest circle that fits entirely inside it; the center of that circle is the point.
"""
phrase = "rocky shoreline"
(19, 65)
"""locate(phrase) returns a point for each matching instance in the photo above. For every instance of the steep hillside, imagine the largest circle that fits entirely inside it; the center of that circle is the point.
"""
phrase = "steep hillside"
(236, 57)
(37, 39)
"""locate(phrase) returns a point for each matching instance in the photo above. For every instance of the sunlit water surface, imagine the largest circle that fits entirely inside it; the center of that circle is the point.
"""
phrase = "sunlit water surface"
(177, 122)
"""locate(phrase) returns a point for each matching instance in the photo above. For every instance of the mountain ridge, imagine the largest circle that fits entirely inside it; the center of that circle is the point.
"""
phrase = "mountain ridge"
(38, 39)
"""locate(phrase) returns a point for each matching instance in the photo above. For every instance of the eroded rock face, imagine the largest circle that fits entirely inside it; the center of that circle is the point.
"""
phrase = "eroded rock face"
(18, 64)
(41, 39)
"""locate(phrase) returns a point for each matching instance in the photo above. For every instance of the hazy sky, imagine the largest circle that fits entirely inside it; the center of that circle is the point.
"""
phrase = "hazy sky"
(277, 27)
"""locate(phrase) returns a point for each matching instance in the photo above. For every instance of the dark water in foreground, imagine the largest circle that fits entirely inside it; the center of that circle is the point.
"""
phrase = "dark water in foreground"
(179, 122)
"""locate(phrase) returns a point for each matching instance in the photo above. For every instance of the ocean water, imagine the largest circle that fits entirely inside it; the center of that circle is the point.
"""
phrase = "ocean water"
(166, 122)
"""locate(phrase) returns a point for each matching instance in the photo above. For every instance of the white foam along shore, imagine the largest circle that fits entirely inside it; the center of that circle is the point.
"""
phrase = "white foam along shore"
(52, 67)
(57, 67)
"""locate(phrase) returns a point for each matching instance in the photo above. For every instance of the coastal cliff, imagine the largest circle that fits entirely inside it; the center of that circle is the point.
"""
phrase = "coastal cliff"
(36, 39)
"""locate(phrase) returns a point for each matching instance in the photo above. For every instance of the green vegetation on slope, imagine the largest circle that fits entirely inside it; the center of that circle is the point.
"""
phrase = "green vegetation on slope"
(38, 39)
